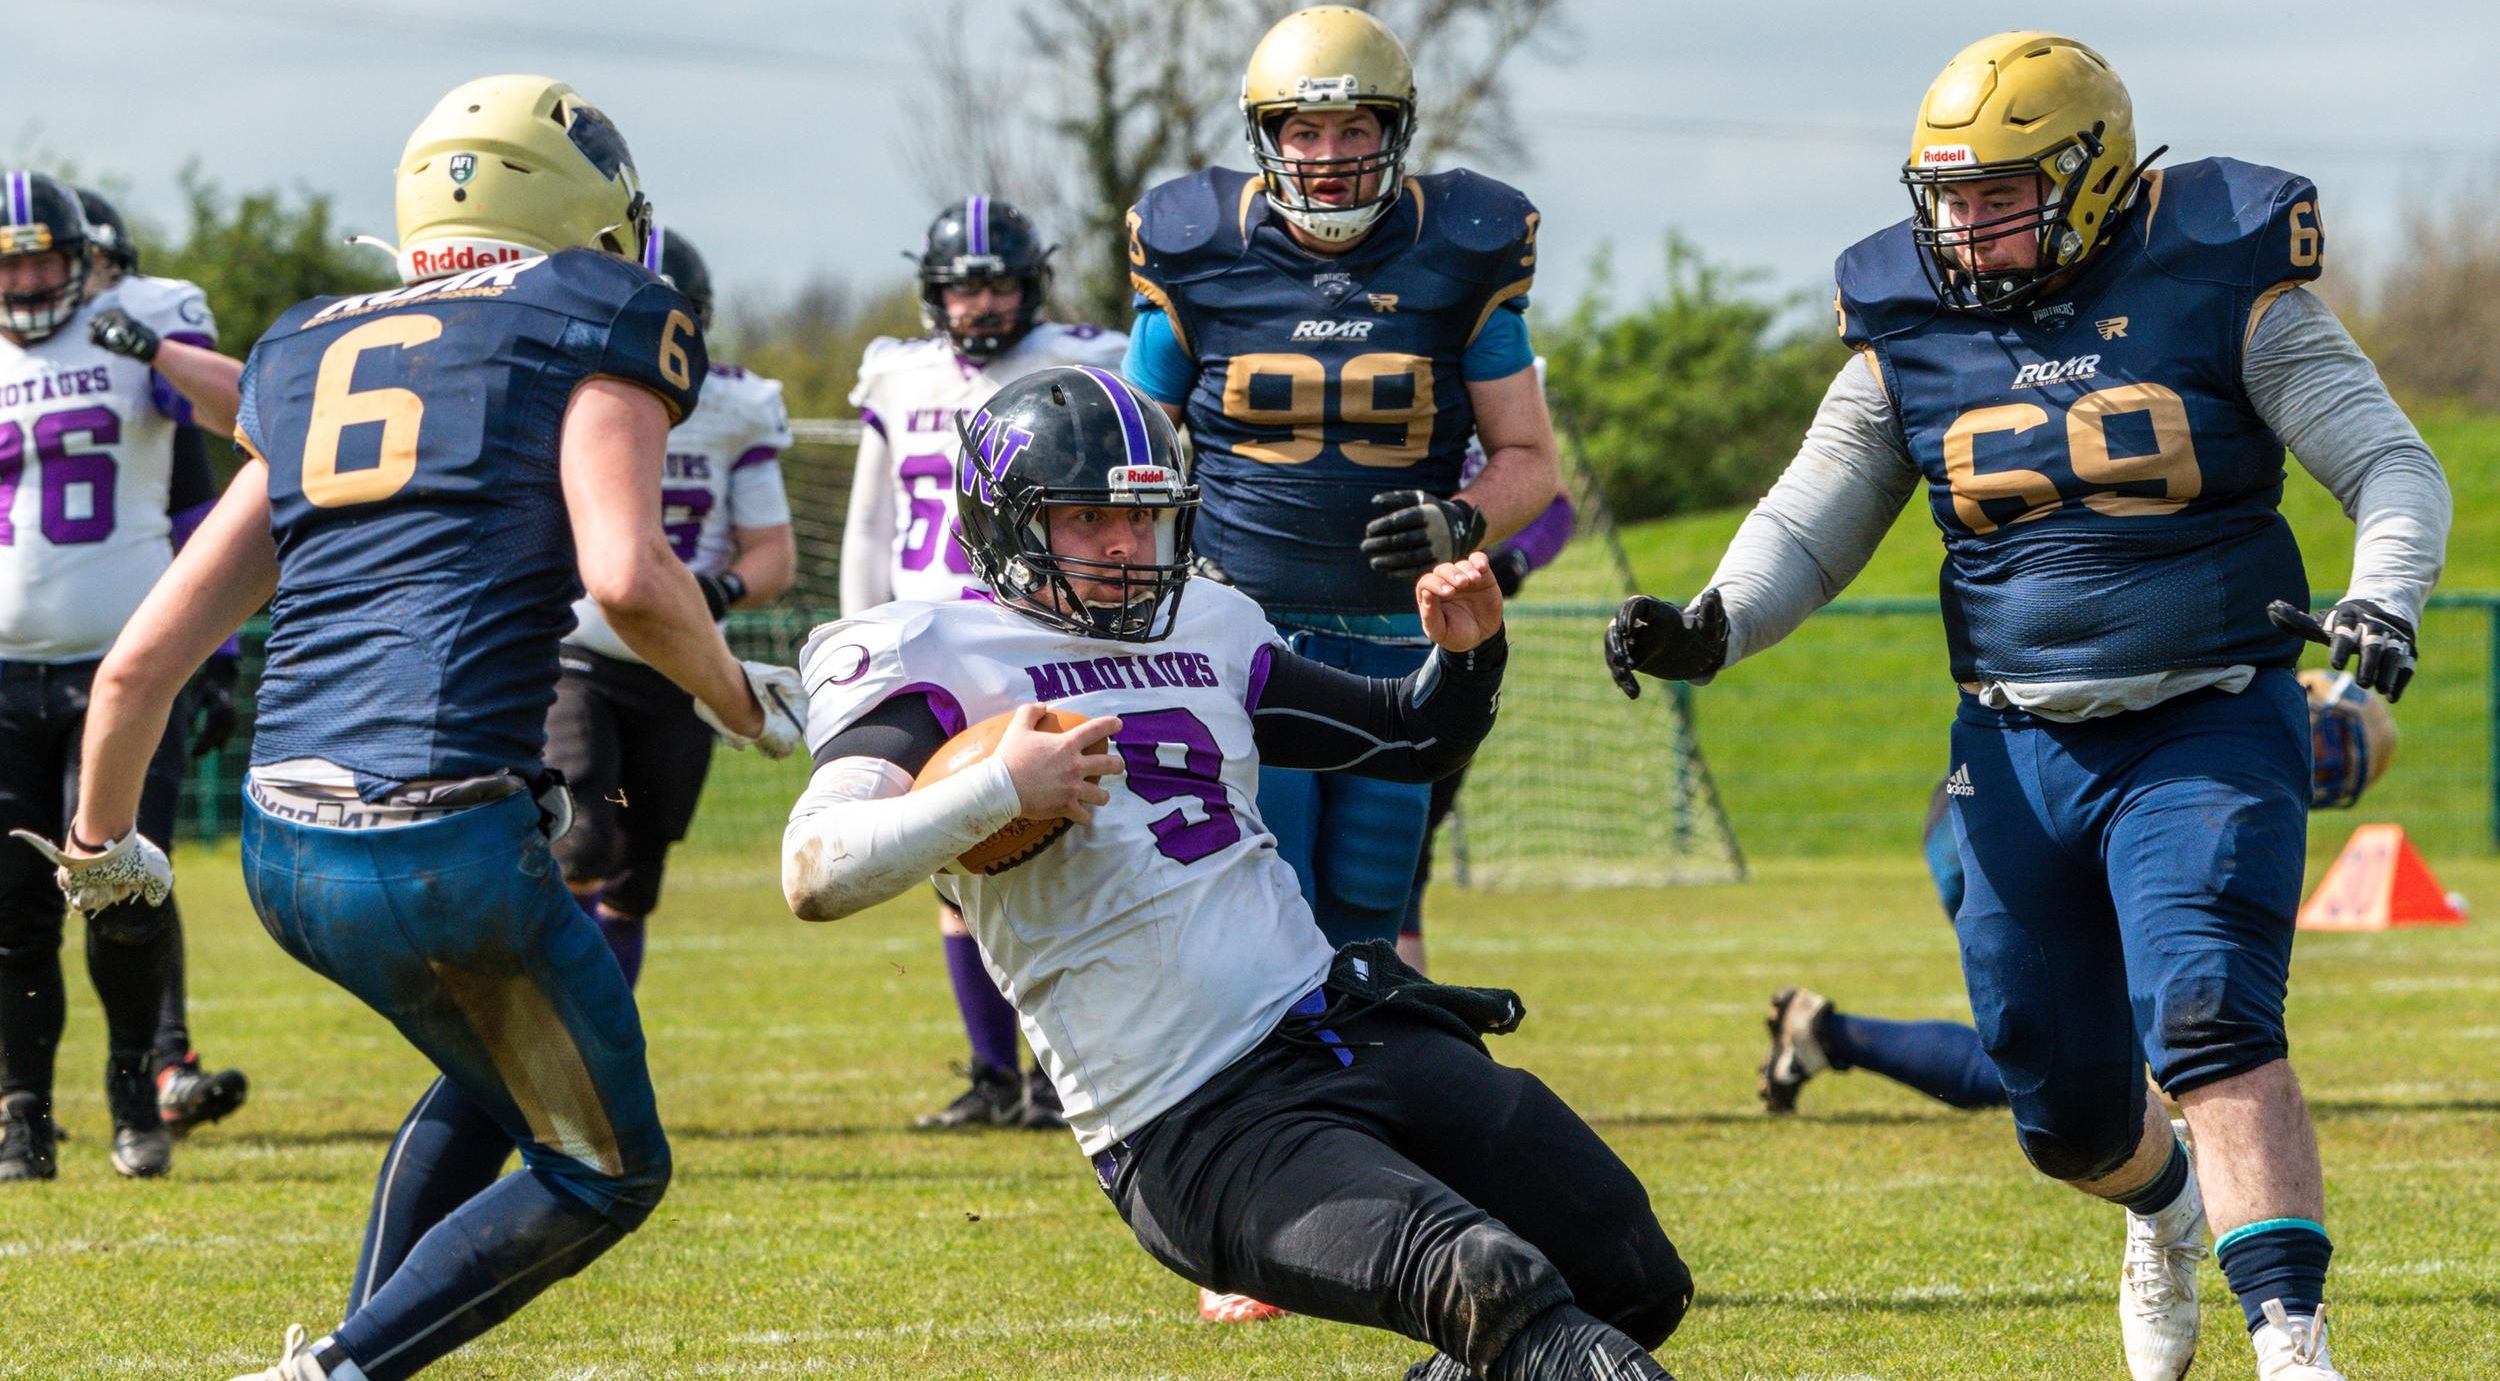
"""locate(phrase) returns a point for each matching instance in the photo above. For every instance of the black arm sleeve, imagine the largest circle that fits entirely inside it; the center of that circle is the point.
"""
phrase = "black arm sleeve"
(903, 730)
(1419, 728)
(194, 483)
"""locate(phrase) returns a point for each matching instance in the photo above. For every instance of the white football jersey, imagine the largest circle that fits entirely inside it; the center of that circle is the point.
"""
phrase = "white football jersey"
(724, 472)
(86, 466)
(1149, 949)
(910, 393)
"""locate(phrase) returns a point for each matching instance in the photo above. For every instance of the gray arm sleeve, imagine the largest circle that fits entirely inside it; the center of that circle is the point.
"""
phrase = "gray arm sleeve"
(2315, 388)
(1815, 530)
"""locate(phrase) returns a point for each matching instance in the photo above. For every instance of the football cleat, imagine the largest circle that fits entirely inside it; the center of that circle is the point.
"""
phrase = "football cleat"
(995, 1099)
(1041, 1111)
(1217, 1307)
(26, 1139)
(2292, 1347)
(1797, 1017)
(188, 1097)
(294, 1364)
(2157, 1306)
(142, 1147)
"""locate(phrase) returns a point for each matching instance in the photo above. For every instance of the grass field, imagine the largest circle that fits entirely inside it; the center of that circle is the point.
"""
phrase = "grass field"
(1875, 1235)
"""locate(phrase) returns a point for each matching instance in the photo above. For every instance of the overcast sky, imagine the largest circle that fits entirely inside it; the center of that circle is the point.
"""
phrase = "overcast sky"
(777, 134)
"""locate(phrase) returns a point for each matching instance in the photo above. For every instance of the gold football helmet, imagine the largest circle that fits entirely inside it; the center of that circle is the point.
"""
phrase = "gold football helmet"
(2009, 105)
(2352, 738)
(511, 166)
(1329, 57)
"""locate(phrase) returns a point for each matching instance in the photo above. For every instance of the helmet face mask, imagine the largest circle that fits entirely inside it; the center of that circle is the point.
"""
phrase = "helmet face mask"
(40, 216)
(1076, 438)
(1329, 58)
(982, 239)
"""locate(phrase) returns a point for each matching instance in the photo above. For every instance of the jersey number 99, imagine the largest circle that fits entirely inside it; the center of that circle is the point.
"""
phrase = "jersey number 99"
(1305, 408)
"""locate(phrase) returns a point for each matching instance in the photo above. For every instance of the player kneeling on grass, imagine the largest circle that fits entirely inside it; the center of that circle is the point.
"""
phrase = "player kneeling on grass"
(1319, 1130)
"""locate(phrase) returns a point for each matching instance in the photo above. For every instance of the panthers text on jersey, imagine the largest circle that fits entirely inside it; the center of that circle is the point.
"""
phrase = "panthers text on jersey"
(2106, 492)
(1324, 379)
(724, 473)
(86, 461)
(425, 559)
(1147, 950)
(911, 393)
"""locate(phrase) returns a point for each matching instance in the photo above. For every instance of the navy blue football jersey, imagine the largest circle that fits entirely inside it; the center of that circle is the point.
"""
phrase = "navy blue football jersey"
(2106, 492)
(1322, 380)
(425, 559)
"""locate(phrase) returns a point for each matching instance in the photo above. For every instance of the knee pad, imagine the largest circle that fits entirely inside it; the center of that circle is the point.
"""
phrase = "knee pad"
(132, 922)
(1497, 1284)
(2085, 1131)
(2207, 1029)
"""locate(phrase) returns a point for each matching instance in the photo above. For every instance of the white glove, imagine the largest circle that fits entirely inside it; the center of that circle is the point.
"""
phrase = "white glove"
(132, 867)
(784, 698)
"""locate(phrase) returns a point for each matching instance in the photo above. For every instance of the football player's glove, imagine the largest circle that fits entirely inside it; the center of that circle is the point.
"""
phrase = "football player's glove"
(1417, 531)
(784, 698)
(125, 335)
(1510, 571)
(212, 705)
(721, 591)
(1655, 638)
(2383, 642)
(132, 867)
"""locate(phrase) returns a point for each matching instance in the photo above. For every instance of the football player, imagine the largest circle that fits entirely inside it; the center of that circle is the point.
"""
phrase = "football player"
(2094, 366)
(2352, 740)
(728, 518)
(187, 1095)
(472, 439)
(1267, 1116)
(102, 473)
(984, 286)
(1333, 331)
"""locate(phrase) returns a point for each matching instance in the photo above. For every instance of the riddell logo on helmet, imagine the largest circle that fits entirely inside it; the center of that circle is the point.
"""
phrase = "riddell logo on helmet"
(1946, 156)
(459, 256)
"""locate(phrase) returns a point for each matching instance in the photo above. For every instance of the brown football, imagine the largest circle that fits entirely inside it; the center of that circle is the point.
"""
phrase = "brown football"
(1021, 838)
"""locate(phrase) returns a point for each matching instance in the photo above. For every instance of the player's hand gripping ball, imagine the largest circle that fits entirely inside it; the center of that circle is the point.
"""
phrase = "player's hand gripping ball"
(1057, 771)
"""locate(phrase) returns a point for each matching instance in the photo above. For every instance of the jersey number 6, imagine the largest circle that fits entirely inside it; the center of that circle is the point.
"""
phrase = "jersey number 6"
(338, 404)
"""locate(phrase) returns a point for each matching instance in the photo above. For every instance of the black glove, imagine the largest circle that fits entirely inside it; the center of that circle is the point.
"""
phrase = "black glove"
(2384, 641)
(116, 330)
(1655, 638)
(1510, 571)
(1417, 532)
(212, 705)
(720, 592)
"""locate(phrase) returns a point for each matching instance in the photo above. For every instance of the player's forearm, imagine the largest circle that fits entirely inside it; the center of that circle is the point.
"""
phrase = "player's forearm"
(860, 835)
(655, 606)
(1520, 481)
(1417, 728)
(225, 572)
(2310, 382)
(1821, 522)
(768, 563)
(212, 383)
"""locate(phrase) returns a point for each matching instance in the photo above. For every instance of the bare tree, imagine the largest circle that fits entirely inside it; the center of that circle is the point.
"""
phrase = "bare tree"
(1108, 96)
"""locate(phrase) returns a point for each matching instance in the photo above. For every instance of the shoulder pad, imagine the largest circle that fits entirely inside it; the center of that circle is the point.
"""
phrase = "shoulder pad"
(1079, 344)
(2223, 221)
(1881, 288)
(1189, 221)
(752, 400)
(1490, 225)
(727, 371)
(172, 306)
(888, 354)
(851, 666)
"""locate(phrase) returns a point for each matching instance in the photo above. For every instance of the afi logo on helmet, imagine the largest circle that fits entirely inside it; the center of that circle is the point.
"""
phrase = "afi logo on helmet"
(1333, 330)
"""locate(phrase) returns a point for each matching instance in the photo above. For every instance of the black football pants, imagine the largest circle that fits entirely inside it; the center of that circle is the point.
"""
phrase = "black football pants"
(1378, 1169)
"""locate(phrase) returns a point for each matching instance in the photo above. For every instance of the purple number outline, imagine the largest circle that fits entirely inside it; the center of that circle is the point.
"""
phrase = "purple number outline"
(685, 537)
(63, 467)
(928, 510)
(1200, 776)
(12, 465)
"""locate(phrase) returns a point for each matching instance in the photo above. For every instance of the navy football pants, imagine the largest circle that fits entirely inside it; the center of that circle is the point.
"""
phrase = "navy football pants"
(2131, 884)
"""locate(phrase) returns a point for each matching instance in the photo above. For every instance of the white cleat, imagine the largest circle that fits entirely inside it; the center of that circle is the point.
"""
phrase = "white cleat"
(2292, 1347)
(2157, 1310)
(295, 1364)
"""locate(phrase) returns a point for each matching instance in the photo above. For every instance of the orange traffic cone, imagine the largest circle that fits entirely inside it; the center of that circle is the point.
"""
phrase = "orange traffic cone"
(2378, 881)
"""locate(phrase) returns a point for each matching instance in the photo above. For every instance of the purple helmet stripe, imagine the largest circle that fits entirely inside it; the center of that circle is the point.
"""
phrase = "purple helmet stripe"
(21, 200)
(1132, 422)
(977, 223)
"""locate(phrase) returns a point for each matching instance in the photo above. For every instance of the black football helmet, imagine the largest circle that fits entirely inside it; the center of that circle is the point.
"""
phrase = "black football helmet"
(108, 234)
(683, 269)
(1075, 435)
(40, 215)
(976, 238)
